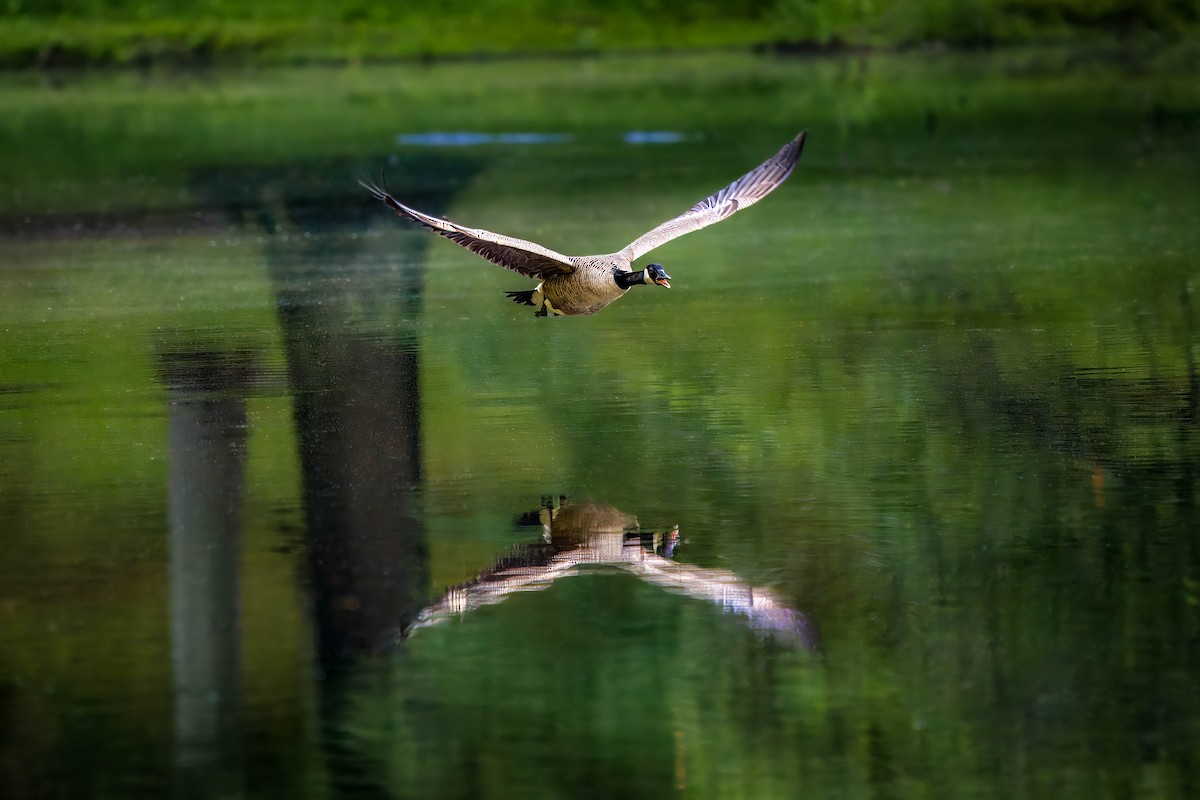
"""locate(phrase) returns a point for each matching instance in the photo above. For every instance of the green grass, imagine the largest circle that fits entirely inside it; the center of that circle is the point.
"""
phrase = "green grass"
(136, 32)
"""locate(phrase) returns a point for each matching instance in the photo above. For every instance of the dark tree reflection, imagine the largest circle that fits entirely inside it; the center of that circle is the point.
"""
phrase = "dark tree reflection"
(350, 320)
(207, 449)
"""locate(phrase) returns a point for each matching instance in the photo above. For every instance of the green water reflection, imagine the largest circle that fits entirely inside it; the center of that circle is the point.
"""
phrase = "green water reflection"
(936, 398)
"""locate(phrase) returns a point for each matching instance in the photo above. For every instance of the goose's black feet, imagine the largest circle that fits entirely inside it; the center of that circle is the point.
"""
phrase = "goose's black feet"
(541, 312)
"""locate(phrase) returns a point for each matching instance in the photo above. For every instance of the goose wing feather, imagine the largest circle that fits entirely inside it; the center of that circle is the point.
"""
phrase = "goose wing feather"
(527, 258)
(745, 191)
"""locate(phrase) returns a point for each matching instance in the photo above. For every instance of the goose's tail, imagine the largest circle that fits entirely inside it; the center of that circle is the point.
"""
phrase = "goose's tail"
(525, 298)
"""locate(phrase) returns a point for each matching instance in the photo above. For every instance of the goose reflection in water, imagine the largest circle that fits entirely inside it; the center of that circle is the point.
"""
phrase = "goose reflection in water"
(577, 536)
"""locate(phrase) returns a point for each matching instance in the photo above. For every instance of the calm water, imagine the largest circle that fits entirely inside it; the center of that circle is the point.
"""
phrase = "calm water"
(892, 495)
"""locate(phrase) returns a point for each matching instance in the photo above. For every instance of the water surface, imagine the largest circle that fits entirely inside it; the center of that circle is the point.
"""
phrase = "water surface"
(892, 494)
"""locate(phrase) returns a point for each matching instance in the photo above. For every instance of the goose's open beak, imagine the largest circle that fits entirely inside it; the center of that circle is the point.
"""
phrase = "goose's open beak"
(663, 281)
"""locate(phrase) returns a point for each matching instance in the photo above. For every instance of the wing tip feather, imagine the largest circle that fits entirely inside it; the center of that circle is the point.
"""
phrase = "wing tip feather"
(373, 188)
(792, 150)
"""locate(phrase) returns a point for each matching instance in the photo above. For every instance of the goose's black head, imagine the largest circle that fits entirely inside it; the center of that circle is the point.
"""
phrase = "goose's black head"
(656, 274)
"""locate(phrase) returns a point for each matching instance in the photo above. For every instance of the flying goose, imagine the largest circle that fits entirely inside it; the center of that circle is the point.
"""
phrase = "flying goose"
(582, 285)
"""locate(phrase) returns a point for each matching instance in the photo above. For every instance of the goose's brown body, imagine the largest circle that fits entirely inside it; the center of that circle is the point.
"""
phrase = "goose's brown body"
(582, 285)
(590, 287)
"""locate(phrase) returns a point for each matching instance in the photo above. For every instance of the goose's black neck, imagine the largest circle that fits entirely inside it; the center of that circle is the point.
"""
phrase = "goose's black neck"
(627, 279)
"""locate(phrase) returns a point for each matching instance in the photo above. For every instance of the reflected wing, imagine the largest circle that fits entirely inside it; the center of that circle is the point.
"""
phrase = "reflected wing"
(765, 611)
(745, 191)
(526, 569)
(528, 258)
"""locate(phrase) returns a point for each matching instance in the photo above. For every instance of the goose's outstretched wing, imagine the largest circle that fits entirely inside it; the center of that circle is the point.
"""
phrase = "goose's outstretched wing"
(745, 191)
(528, 258)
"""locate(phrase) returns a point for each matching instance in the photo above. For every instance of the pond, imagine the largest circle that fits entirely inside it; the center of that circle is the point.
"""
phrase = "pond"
(892, 494)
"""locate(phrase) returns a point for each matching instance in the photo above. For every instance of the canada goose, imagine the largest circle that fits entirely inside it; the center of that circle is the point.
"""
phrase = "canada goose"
(581, 285)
